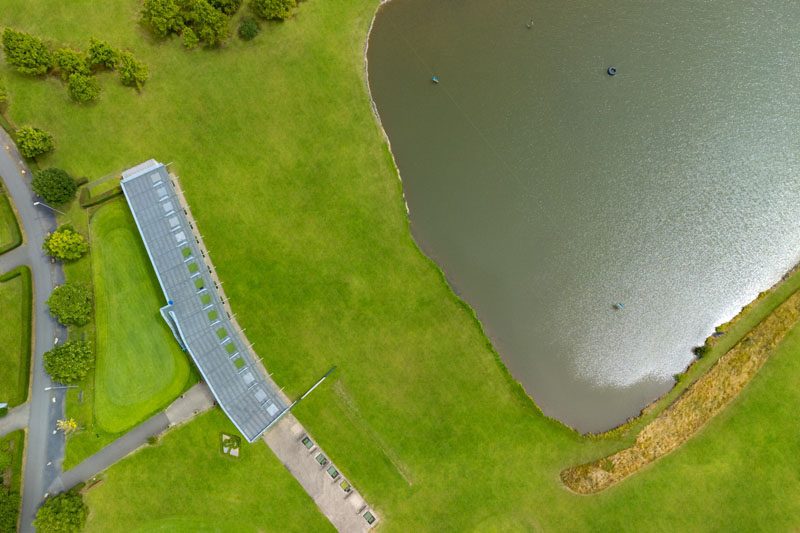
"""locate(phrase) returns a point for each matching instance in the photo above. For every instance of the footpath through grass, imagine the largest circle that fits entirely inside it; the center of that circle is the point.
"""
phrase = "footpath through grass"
(295, 194)
(16, 300)
(185, 483)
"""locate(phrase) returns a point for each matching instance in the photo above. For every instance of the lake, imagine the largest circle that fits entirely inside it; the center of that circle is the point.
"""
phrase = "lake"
(548, 191)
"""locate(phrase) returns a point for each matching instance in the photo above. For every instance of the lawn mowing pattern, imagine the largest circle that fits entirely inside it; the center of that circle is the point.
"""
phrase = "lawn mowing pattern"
(253, 493)
(10, 235)
(15, 335)
(294, 191)
(140, 367)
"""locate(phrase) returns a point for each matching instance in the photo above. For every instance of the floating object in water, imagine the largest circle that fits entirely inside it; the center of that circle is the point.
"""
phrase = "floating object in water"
(618, 305)
(529, 24)
(435, 79)
(612, 71)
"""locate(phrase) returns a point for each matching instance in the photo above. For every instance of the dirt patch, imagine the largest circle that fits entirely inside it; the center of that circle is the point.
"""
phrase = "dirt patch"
(696, 406)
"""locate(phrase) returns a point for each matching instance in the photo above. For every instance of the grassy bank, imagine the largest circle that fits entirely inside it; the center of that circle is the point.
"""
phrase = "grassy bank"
(12, 448)
(164, 490)
(295, 193)
(10, 234)
(16, 301)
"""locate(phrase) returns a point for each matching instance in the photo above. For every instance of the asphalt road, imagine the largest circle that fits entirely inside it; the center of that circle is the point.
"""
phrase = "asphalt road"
(45, 450)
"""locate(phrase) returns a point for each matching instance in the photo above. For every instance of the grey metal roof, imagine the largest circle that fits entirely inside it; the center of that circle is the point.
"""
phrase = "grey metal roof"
(194, 311)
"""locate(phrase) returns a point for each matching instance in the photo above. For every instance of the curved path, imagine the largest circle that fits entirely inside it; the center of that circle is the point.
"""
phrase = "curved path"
(44, 450)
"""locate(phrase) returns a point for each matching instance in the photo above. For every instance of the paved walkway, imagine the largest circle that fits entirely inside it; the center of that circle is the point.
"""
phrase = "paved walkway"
(44, 450)
(17, 418)
(196, 400)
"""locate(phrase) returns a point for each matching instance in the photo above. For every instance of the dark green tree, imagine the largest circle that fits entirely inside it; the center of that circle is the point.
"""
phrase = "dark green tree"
(273, 9)
(210, 25)
(248, 29)
(54, 185)
(101, 55)
(69, 362)
(28, 54)
(163, 16)
(65, 513)
(70, 304)
(83, 88)
(66, 244)
(9, 506)
(69, 61)
(33, 141)
(229, 7)
(131, 71)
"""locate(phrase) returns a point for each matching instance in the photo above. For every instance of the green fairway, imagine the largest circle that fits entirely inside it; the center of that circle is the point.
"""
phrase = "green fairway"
(294, 191)
(15, 335)
(164, 488)
(140, 367)
(10, 236)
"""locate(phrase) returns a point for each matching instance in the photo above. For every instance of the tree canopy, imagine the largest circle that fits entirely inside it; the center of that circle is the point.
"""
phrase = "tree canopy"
(69, 61)
(273, 9)
(65, 244)
(9, 505)
(131, 71)
(54, 185)
(69, 362)
(83, 88)
(28, 54)
(229, 7)
(33, 141)
(70, 304)
(210, 25)
(101, 54)
(163, 16)
(197, 20)
(65, 513)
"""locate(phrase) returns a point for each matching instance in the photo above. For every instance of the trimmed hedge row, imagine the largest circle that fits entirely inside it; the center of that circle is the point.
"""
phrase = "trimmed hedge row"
(27, 318)
(87, 200)
(16, 238)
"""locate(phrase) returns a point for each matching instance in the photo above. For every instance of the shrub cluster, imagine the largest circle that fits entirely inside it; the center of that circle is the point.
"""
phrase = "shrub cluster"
(70, 304)
(65, 513)
(33, 141)
(3, 92)
(206, 21)
(273, 9)
(54, 185)
(29, 55)
(69, 362)
(66, 244)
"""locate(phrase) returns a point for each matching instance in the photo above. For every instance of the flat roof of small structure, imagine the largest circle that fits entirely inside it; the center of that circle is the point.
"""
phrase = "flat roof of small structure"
(194, 310)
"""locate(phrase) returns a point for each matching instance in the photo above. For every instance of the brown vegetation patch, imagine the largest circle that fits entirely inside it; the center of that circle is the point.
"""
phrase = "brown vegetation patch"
(696, 406)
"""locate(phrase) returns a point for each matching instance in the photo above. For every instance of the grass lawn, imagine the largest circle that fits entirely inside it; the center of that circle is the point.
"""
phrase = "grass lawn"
(10, 236)
(15, 335)
(164, 489)
(12, 447)
(140, 366)
(294, 191)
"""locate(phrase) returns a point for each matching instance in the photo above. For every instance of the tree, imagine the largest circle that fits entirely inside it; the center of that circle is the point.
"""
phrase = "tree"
(69, 62)
(27, 53)
(131, 71)
(9, 507)
(69, 362)
(101, 54)
(210, 25)
(33, 141)
(83, 88)
(65, 513)
(248, 29)
(229, 7)
(65, 244)
(67, 426)
(163, 16)
(70, 304)
(273, 9)
(54, 185)
(190, 38)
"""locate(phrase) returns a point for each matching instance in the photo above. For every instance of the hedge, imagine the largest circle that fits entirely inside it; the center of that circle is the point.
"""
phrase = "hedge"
(87, 200)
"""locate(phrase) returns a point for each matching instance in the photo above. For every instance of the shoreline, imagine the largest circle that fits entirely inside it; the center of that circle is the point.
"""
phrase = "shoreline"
(693, 370)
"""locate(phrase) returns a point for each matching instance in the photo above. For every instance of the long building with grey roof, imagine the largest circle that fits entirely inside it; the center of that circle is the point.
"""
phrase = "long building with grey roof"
(194, 310)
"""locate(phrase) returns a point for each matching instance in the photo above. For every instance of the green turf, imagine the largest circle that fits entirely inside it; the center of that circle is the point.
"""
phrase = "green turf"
(221, 333)
(140, 367)
(193, 267)
(186, 252)
(10, 236)
(198, 283)
(296, 197)
(164, 489)
(230, 347)
(239, 362)
(213, 315)
(205, 299)
(15, 335)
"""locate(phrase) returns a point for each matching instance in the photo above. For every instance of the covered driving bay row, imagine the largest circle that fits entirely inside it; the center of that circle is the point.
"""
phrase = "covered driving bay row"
(194, 310)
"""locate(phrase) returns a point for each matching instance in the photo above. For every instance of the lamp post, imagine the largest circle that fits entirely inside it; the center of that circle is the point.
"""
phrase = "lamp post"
(61, 387)
(51, 208)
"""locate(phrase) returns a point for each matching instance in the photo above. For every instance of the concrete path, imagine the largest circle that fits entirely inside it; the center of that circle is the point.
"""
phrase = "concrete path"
(345, 510)
(44, 450)
(17, 418)
(196, 400)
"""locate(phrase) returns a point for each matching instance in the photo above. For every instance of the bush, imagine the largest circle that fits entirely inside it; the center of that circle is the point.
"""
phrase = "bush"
(210, 25)
(163, 16)
(701, 351)
(83, 88)
(65, 244)
(248, 29)
(152, 440)
(33, 141)
(28, 54)
(131, 71)
(9, 507)
(3, 92)
(69, 362)
(54, 185)
(229, 7)
(65, 513)
(190, 39)
(70, 304)
(69, 62)
(273, 9)
(101, 55)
